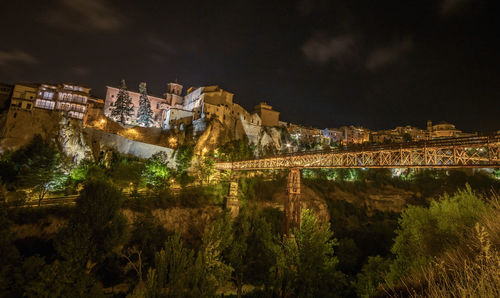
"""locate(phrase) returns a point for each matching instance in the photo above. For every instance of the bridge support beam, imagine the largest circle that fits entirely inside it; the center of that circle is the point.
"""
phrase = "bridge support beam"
(292, 207)
(232, 200)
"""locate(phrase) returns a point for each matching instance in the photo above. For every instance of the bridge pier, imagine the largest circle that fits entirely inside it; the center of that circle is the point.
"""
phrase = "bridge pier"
(232, 200)
(292, 207)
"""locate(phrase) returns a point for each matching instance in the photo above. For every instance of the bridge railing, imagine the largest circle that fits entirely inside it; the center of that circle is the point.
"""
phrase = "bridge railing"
(444, 142)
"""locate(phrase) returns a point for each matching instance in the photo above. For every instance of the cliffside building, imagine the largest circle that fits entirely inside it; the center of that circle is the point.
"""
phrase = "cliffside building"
(70, 99)
(23, 96)
(269, 116)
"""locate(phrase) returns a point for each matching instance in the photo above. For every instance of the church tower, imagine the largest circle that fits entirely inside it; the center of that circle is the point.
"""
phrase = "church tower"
(174, 94)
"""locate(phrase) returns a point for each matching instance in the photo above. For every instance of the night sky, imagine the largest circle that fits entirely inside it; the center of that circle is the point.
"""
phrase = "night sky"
(323, 63)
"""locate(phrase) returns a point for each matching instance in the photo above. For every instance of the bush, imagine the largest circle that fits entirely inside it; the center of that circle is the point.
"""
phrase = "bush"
(449, 220)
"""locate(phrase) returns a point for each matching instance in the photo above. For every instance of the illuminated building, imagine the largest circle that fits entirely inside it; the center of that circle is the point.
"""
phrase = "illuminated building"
(158, 105)
(70, 99)
(269, 116)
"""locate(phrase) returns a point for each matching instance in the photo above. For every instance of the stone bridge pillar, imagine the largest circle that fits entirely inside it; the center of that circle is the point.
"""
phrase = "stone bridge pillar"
(292, 208)
(232, 200)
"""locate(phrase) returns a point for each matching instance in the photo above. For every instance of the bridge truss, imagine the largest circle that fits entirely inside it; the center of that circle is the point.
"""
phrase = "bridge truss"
(470, 152)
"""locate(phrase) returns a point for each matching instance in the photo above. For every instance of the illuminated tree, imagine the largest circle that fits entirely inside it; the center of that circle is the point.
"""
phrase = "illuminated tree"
(156, 171)
(41, 167)
(144, 114)
(123, 108)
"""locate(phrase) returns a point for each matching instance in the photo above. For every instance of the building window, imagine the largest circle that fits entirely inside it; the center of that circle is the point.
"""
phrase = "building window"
(48, 95)
(44, 104)
(28, 106)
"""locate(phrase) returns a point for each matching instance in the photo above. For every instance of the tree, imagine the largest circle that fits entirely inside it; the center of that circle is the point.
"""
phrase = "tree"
(251, 252)
(156, 171)
(96, 228)
(123, 108)
(179, 273)
(236, 150)
(184, 157)
(41, 167)
(206, 167)
(371, 276)
(306, 263)
(210, 269)
(144, 113)
(172, 268)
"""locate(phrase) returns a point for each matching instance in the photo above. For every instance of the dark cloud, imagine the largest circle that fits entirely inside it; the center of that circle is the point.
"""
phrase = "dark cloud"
(161, 45)
(16, 56)
(80, 70)
(321, 49)
(386, 55)
(84, 15)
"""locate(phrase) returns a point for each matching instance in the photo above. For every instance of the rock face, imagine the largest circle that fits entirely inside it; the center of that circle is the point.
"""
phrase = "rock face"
(73, 140)
(21, 126)
(216, 133)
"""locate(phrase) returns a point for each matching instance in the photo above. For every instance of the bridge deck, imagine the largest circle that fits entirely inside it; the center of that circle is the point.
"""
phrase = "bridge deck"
(469, 152)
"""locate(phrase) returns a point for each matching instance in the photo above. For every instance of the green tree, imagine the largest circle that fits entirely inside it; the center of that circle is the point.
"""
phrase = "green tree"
(156, 171)
(371, 276)
(96, 228)
(210, 270)
(183, 158)
(251, 252)
(144, 113)
(41, 167)
(449, 219)
(206, 167)
(172, 270)
(236, 150)
(306, 263)
(179, 273)
(123, 108)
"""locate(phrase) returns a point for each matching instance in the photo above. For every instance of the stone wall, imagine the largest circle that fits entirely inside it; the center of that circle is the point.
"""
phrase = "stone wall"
(100, 140)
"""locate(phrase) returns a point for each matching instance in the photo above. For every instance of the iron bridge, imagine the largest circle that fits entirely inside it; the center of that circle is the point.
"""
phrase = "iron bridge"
(467, 152)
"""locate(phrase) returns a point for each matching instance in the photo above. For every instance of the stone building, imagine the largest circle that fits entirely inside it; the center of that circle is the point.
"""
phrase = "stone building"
(445, 130)
(209, 102)
(269, 116)
(23, 96)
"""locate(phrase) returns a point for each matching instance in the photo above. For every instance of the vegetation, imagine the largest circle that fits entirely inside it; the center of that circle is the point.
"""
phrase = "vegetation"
(142, 229)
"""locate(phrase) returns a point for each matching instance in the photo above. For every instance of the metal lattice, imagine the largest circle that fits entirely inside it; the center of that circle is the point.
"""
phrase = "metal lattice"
(471, 152)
